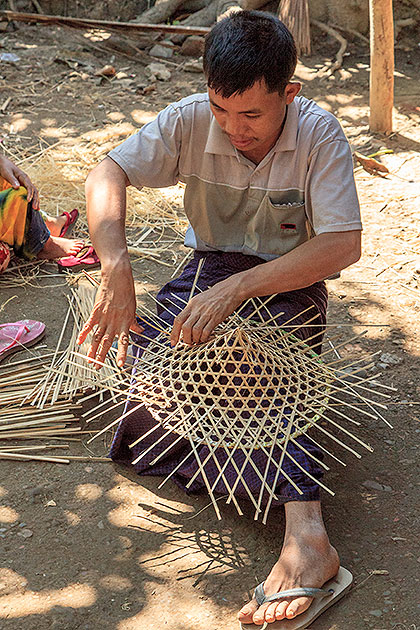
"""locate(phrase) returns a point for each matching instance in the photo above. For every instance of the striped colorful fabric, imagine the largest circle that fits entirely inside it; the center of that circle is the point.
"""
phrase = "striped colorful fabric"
(21, 227)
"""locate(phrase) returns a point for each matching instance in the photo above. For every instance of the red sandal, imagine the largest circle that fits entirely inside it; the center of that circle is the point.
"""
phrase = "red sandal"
(71, 219)
(19, 335)
(86, 258)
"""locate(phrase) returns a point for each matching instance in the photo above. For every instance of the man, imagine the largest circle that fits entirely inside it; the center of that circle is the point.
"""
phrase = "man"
(269, 186)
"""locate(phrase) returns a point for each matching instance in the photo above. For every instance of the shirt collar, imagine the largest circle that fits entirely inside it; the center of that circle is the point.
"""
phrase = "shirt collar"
(219, 143)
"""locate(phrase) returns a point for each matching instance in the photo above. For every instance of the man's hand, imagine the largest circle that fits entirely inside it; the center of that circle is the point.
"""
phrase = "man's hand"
(16, 178)
(205, 311)
(113, 316)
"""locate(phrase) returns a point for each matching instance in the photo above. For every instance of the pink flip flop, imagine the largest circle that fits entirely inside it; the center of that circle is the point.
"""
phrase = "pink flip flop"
(86, 258)
(71, 218)
(19, 335)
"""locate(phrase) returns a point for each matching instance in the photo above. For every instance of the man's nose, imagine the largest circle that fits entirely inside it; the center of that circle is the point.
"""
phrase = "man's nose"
(233, 126)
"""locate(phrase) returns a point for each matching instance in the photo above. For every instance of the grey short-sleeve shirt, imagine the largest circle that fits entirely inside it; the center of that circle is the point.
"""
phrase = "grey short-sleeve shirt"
(303, 187)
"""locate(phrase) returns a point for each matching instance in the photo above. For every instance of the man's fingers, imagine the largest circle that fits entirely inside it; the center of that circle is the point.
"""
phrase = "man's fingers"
(95, 343)
(123, 341)
(105, 344)
(136, 328)
(86, 329)
(177, 326)
(192, 327)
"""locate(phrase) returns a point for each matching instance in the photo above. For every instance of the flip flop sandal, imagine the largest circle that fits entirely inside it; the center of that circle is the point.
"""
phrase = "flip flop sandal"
(71, 219)
(86, 258)
(19, 335)
(332, 592)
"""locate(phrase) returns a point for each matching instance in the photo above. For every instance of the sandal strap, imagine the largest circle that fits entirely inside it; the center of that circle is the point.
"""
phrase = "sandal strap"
(303, 591)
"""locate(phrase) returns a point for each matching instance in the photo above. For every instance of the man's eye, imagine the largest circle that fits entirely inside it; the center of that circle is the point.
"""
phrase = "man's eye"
(252, 115)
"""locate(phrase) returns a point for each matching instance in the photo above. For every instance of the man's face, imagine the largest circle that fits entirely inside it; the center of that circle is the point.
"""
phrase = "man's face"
(252, 120)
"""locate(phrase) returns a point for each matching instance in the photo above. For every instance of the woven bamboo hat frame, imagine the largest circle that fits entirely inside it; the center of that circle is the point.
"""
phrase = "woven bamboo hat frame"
(252, 385)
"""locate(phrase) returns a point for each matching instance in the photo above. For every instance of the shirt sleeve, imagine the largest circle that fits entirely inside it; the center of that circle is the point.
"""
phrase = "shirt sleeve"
(332, 204)
(150, 157)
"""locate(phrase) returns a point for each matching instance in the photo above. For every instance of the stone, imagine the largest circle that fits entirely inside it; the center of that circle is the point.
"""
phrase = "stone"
(388, 359)
(193, 66)
(157, 71)
(375, 613)
(26, 533)
(163, 52)
(193, 46)
(374, 485)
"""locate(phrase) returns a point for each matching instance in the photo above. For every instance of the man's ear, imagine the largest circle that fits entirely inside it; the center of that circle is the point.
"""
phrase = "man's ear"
(292, 90)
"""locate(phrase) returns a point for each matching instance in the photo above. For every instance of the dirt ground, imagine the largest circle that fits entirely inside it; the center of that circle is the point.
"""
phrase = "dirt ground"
(109, 549)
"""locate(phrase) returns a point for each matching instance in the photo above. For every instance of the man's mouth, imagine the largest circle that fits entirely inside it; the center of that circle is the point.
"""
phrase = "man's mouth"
(240, 142)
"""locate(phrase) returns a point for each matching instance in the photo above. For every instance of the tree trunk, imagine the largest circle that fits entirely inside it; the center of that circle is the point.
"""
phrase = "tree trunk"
(381, 98)
(160, 12)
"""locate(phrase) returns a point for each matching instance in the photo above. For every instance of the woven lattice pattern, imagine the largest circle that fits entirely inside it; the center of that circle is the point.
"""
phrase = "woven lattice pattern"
(252, 385)
(243, 388)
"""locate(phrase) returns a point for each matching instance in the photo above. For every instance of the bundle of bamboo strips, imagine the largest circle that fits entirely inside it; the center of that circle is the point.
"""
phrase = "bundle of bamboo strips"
(295, 15)
(37, 394)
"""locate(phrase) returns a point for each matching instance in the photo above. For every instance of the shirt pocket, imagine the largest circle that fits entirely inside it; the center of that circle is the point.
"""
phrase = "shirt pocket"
(280, 226)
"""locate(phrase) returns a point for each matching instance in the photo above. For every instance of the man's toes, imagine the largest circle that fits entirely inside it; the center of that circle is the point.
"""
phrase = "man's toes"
(298, 606)
(246, 613)
(270, 613)
(259, 615)
(281, 609)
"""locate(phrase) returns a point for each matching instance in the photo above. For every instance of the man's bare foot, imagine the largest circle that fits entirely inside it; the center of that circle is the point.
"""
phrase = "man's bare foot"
(58, 247)
(55, 224)
(307, 559)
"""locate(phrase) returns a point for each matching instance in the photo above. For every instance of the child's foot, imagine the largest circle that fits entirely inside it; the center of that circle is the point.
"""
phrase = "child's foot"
(58, 247)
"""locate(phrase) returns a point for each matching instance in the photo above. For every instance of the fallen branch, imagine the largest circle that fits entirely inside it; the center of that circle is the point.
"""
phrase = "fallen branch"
(372, 166)
(85, 23)
(400, 24)
(343, 45)
(352, 31)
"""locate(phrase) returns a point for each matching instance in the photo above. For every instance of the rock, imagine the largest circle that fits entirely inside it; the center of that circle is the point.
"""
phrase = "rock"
(106, 71)
(347, 375)
(26, 533)
(157, 71)
(386, 359)
(149, 88)
(101, 525)
(374, 485)
(50, 503)
(163, 52)
(9, 57)
(375, 613)
(193, 46)
(194, 66)
(35, 491)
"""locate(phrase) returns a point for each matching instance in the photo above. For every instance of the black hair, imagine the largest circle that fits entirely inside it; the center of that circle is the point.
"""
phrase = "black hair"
(247, 47)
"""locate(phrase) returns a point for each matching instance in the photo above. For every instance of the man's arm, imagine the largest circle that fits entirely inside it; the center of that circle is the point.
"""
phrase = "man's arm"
(115, 305)
(312, 261)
